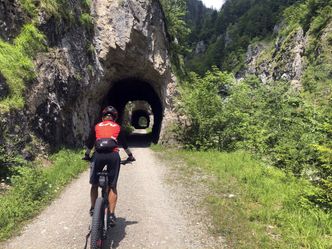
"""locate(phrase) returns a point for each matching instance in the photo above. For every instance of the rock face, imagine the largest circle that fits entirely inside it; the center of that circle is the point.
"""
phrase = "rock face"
(4, 89)
(131, 44)
(284, 62)
(125, 58)
(11, 19)
(130, 40)
(200, 48)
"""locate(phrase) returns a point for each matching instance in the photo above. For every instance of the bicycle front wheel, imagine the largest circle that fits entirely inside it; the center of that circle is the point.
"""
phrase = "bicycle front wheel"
(97, 225)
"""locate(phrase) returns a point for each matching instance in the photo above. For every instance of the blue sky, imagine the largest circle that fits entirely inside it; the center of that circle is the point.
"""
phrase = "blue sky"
(213, 3)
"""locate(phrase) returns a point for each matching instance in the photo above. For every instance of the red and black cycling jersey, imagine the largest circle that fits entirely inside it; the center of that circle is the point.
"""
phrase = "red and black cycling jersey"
(106, 129)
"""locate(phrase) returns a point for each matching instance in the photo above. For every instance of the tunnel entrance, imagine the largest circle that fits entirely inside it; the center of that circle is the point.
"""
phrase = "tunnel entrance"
(131, 90)
(138, 115)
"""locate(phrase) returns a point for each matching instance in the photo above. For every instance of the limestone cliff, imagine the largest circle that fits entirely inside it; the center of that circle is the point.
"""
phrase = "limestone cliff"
(290, 57)
(284, 61)
(124, 57)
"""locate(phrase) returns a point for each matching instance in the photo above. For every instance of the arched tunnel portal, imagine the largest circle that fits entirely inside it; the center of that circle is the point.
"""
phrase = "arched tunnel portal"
(133, 89)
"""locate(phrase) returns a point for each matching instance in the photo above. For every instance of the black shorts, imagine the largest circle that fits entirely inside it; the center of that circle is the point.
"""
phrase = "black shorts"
(112, 160)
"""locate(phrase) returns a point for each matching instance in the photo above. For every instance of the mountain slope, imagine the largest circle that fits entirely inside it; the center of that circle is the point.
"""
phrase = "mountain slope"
(228, 33)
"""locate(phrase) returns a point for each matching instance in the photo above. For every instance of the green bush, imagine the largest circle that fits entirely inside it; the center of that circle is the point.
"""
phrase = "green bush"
(275, 122)
(86, 3)
(32, 7)
(56, 8)
(30, 41)
(324, 167)
(201, 103)
(23, 200)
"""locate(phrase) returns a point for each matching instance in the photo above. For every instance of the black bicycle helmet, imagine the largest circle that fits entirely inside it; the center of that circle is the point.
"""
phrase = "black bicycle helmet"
(110, 110)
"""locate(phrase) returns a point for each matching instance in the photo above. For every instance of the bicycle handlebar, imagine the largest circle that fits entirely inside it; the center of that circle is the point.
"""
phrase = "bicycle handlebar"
(123, 162)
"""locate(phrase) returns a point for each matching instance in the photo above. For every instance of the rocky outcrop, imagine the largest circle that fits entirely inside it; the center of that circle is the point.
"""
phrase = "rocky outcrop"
(4, 89)
(11, 19)
(289, 58)
(200, 48)
(284, 62)
(130, 41)
(17, 137)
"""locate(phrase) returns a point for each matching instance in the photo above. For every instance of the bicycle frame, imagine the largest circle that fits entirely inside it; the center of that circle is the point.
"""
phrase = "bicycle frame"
(103, 184)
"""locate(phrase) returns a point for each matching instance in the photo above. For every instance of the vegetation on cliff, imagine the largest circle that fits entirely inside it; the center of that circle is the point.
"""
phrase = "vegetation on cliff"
(21, 181)
(16, 64)
(175, 12)
(16, 57)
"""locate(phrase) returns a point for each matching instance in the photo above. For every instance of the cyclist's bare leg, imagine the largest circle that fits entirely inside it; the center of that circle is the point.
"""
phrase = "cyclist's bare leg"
(112, 198)
(93, 194)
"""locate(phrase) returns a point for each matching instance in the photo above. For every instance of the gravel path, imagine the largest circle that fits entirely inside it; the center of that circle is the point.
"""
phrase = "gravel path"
(148, 215)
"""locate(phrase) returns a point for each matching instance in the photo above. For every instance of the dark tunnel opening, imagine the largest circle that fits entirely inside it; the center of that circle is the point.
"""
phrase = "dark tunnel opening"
(133, 89)
(136, 119)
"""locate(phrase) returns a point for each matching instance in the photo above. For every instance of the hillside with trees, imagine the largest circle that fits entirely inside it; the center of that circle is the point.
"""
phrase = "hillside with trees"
(226, 34)
(265, 85)
(259, 80)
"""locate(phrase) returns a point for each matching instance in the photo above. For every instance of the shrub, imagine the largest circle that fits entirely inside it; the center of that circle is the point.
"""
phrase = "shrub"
(275, 122)
(201, 103)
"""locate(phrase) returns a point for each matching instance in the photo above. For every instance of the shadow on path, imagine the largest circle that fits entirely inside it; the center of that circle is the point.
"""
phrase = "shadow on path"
(116, 234)
(137, 140)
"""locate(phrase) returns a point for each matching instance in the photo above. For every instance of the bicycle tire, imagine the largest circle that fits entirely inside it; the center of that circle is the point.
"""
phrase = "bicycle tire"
(97, 225)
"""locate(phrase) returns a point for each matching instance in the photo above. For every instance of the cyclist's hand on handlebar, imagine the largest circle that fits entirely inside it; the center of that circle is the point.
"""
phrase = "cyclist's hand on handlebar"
(131, 158)
(86, 157)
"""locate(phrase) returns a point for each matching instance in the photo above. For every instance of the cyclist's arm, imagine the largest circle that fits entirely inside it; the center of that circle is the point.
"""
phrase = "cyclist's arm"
(90, 141)
(122, 139)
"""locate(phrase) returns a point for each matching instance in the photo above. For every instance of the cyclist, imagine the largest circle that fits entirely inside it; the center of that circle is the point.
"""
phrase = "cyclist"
(105, 137)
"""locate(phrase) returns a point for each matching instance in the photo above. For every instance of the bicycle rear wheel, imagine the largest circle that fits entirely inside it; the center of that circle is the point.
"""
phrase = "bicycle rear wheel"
(97, 225)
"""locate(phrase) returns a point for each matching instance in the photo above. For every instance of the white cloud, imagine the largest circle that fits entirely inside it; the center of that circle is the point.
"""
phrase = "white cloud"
(216, 4)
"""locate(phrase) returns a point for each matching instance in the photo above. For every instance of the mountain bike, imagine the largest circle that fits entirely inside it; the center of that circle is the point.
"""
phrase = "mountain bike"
(99, 224)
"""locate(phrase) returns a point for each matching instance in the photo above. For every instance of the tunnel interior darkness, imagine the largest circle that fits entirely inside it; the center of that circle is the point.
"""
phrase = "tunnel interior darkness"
(133, 89)
(140, 119)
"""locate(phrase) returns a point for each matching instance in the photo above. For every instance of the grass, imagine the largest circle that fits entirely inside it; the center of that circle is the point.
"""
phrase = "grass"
(256, 206)
(87, 21)
(34, 187)
(148, 130)
(50, 7)
(16, 64)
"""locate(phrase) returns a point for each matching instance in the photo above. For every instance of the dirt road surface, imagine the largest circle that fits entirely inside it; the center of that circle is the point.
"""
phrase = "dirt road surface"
(148, 215)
